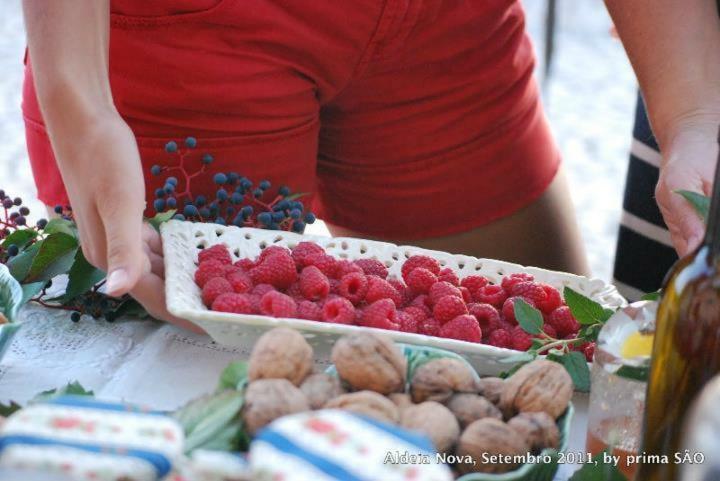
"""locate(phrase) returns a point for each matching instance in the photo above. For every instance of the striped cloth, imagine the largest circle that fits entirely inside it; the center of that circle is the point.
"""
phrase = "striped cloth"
(644, 252)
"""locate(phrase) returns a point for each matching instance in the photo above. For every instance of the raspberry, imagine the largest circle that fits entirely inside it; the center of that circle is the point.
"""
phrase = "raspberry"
(442, 289)
(303, 250)
(552, 299)
(405, 294)
(589, 350)
(346, 267)
(448, 308)
(233, 302)
(549, 330)
(240, 281)
(276, 269)
(448, 275)
(339, 310)
(509, 281)
(277, 304)
(414, 262)
(407, 322)
(295, 292)
(271, 251)
(327, 264)
(213, 288)
(381, 289)
(508, 308)
(231, 269)
(465, 292)
(372, 267)
(491, 294)
(334, 286)
(207, 270)
(420, 280)
(415, 312)
(521, 340)
(314, 285)
(529, 290)
(380, 314)
(429, 327)
(245, 264)
(487, 316)
(262, 289)
(353, 287)
(500, 338)
(423, 302)
(218, 252)
(473, 283)
(563, 321)
(309, 310)
(462, 328)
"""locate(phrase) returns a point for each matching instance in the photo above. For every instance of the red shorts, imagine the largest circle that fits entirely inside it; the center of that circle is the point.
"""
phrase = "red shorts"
(404, 118)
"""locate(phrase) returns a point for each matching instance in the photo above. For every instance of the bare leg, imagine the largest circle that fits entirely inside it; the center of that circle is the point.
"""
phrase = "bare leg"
(544, 234)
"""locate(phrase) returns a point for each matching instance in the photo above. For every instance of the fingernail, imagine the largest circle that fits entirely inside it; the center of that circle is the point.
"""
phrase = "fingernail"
(116, 280)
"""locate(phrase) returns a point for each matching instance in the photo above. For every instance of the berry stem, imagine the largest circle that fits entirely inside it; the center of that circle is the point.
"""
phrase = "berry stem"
(53, 306)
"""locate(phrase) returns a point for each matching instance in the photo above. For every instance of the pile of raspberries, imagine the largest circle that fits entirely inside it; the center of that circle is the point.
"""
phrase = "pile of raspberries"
(307, 283)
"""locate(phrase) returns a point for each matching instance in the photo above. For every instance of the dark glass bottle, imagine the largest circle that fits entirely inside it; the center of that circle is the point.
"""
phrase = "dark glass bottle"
(686, 350)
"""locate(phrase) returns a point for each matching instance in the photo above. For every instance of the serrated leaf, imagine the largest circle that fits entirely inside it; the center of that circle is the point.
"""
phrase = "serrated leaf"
(576, 365)
(234, 376)
(8, 409)
(699, 202)
(62, 226)
(651, 296)
(31, 290)
(11, 294)
(20, 238)
(598, 470)
(529, 318)
(636, 373)
(209, 416)
(70, 389)
(20, 264)
(55, 256)
(584, 309)
(81, 278)
(161, 217)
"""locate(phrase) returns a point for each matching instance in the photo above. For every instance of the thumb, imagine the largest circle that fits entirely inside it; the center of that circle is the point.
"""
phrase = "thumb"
(126, 258)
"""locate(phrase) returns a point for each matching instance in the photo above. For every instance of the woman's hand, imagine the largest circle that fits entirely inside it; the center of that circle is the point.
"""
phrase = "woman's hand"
(688, 163)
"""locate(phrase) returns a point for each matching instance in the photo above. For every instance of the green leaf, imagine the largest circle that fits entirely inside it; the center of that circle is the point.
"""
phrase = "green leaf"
(8, 409)
(158, 219)
(599, 470)
(234, 376)
(585, 310)
(206, 417)
(700, 202)
(70, 389)
(576, 365)
(62, 226)
(529, 318)
(31, 290)
(20, 264)
(131, 308)
(651, 296)
(590, 332)
(20, 238)
(636, 373)
(55, 256)
(81, 278)
(11, 294)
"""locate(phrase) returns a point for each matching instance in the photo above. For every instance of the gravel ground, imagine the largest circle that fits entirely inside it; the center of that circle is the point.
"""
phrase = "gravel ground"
(590, 99)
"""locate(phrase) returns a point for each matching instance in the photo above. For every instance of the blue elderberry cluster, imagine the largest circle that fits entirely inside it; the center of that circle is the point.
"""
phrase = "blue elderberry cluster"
(236, 200)
(13, 217)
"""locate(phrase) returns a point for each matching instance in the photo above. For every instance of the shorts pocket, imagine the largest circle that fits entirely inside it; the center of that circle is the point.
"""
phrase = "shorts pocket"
(142, 13)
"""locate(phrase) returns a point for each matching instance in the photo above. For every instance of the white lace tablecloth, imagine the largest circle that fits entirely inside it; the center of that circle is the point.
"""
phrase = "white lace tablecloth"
(141, 362)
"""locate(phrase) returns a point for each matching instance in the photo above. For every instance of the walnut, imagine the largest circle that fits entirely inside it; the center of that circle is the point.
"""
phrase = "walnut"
(469, 407)
(538, 429)
(368, 403)
(281, 353)
(439, 379)
(491, 388)
(494, 437)
(320, 388)
(538, 386)
(434, 420)
(401, 399)
(370, 362)
(269, 399)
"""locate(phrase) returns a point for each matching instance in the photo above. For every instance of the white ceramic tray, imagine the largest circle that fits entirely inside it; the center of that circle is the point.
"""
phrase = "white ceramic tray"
(183, 240)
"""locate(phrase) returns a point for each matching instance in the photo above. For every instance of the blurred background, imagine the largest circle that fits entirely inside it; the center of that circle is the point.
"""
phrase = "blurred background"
(589, 95)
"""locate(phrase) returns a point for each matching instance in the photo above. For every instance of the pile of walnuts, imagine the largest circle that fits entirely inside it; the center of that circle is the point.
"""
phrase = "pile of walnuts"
(461, 414)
